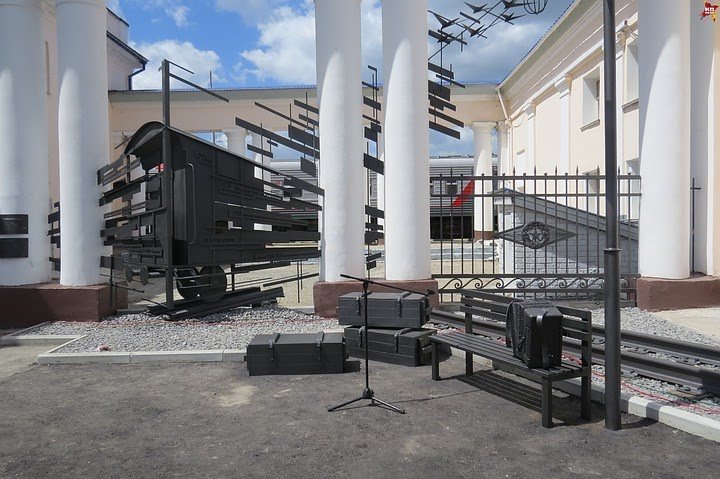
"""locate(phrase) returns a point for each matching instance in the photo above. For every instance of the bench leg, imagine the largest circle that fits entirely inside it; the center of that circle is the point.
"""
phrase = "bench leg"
(586, 398)
(435, 361)
(547, 403)
(469, 363)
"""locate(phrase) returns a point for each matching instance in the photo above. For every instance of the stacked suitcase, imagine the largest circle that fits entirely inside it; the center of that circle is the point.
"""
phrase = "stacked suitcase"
(395, 327)
(319, 353)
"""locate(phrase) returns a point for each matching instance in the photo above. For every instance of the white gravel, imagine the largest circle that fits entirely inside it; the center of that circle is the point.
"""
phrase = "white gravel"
(228, 330)
(633, 319)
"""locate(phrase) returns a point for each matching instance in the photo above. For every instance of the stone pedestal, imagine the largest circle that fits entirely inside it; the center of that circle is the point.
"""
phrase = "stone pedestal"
(326, 293)
(658, 294)
(24, 306)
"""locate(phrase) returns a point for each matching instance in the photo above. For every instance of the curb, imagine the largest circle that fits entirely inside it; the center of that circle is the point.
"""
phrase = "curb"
(137, 357)
(638, 406)
(673, 417)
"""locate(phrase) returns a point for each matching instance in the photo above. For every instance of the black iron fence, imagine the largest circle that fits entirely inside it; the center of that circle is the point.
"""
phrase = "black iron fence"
(530, 235)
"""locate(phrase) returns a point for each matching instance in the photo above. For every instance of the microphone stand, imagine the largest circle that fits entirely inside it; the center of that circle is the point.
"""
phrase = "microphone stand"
(367, 392)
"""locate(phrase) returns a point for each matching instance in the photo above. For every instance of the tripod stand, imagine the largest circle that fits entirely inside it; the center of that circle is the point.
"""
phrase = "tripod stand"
(367, 392)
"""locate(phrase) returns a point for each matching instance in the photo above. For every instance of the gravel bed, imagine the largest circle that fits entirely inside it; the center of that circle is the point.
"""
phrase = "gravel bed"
(664, 393)
(646, 322)
(228, 330)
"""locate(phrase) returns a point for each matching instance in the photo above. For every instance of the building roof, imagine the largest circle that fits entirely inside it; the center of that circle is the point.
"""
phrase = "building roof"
(127, 48)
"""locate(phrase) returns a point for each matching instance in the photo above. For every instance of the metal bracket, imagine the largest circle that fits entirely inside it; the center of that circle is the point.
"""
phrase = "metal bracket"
(398, 303)
(271, 345)
(397, 337)
(318, 344)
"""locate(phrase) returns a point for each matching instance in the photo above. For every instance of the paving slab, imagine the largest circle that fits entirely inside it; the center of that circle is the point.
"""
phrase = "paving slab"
(15, 359)
(702, 320)
(213, 420)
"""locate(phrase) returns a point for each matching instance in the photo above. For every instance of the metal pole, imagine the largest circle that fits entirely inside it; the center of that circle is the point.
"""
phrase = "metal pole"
(167, 187)
(612, 253)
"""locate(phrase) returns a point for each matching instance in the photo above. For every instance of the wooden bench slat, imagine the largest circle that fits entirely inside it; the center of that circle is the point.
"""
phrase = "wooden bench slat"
(490, 296)
(498, 352)
(484, 313)
(578, 313)
(579, 335)
(571, 323)
(486, 305)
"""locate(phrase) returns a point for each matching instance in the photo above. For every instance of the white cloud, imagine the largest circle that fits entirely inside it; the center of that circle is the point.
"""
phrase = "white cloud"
(183, 53)
(285, 51)
(179, 15)
(251, 11)
(286, 47)
(443, 145)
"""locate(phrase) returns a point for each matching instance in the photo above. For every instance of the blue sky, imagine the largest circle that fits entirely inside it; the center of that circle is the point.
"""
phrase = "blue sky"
(271, 42)
(260, 43)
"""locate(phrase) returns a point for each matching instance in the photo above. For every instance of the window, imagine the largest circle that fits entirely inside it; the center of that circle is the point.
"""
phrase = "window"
(631, 75)
(591, 98)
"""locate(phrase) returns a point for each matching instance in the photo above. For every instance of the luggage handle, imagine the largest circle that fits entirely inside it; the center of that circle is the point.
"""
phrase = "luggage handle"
(397, 337)
(361, 331)
(508, 321)
(543, 344)
(318, 343)
(359, 302)
(398, 303)
(271, 345)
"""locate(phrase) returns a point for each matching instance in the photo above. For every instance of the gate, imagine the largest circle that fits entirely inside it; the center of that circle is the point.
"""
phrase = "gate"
(530, 235)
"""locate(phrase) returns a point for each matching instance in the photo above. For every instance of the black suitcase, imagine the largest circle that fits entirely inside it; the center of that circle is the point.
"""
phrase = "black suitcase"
(320, 353)
(534, 330)
(406, 347)
(385, 310)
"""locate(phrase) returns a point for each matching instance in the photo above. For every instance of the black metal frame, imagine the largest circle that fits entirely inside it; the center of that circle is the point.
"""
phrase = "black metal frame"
(573, 216)
(367, 392)
(577, 325)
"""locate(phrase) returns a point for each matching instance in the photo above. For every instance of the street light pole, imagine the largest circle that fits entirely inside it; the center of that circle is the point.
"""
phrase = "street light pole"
(612, 252)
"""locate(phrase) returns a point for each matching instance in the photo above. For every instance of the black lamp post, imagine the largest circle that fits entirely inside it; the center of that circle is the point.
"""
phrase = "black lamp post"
(612, 252)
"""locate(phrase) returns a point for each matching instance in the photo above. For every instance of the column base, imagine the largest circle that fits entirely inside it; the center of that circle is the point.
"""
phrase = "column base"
(483, 235)
(658, 294)
(326, 293)
(25, 306)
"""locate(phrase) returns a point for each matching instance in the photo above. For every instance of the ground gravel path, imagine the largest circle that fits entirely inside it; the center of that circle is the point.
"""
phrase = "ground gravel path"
(634, 319)
(228, 330)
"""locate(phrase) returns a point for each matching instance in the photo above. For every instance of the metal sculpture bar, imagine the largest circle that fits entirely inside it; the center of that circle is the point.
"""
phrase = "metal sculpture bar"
(375, 167)
(195, 223)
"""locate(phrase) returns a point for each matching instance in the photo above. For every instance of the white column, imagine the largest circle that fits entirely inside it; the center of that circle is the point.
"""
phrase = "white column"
(236, 140)
(339, 77)
(407, 142)
(504, 160)
(24, 138)
(529, 166)
(664, 82)
(563, 88)
(83, 132)
(483, 215)
(620, 97)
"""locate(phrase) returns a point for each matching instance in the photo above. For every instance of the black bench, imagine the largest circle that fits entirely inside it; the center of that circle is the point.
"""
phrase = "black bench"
(577, 326)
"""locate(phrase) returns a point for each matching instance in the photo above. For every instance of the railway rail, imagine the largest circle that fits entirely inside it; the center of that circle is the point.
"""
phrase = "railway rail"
(686, 364)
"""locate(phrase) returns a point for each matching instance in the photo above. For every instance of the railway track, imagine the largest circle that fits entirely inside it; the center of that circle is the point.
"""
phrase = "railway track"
(233, 299)
(672, 361)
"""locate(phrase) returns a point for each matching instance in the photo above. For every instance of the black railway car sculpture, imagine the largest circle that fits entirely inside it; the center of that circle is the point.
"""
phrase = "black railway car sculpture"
(216, 202)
